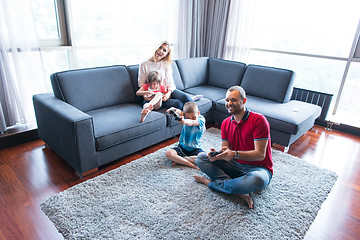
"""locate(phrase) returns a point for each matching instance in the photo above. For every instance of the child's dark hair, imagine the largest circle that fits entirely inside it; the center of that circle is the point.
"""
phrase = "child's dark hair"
(154, 76)
(190, 107)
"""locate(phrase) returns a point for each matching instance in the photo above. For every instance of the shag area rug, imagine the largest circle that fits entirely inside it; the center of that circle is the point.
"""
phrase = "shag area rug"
(150, 199)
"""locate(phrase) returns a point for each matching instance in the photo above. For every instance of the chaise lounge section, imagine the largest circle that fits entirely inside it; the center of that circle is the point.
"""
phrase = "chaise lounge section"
(92, 118)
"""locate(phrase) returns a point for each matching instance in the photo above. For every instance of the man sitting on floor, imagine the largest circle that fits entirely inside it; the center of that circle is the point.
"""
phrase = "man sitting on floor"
(245, 162)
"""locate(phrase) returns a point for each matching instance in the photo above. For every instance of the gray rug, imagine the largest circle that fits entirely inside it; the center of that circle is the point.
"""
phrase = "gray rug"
(150, 199)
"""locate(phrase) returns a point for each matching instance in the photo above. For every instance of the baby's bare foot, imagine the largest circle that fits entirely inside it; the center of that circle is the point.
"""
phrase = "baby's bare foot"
(144, 113)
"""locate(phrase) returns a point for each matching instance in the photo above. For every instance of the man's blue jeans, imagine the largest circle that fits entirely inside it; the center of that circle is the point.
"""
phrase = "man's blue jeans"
(233, 177)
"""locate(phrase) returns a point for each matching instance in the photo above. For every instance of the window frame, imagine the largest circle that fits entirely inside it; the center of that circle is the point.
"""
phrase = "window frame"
(61, 18)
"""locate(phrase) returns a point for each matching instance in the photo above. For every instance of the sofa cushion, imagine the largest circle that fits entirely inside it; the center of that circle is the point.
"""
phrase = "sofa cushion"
(204, 105)
(93, 88)
(193, 71)
(268, 83)
(285, 117)
(224, 73)
(134, 73)
(177, 77)
(210, 92)
(117, 124)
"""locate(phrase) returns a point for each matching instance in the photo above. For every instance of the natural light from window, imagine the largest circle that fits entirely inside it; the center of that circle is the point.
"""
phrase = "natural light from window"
(314, 39)
(131, 28)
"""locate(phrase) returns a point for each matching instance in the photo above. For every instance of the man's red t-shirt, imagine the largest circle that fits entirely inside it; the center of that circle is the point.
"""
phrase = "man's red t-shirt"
(241, 136)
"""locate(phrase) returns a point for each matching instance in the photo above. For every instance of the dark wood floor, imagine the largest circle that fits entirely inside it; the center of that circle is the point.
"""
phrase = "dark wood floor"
(31, 171)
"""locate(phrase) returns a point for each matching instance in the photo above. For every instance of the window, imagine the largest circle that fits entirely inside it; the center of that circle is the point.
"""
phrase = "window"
(319, 27)
(315, 40)
(102, 33)
(50, 22)
(118, 32)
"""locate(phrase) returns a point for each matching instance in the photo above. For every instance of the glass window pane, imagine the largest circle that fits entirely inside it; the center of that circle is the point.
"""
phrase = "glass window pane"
(316, 27)
(96, 57)
(46, 19)
(348, 111)
(315, 74)
(114, 22)
(55, 61)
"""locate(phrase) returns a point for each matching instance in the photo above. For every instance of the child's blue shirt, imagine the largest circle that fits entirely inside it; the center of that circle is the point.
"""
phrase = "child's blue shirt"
(190, 138)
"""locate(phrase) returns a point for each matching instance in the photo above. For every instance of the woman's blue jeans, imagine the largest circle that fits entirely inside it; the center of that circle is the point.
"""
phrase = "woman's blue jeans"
(177, 100)
(233, 177)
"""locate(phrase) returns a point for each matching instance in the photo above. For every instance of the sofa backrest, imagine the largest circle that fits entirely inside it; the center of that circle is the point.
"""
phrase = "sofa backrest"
(225, 73)
(193, 71)
(267, 82)
(134, 73)
(177, 77)
(94, 88)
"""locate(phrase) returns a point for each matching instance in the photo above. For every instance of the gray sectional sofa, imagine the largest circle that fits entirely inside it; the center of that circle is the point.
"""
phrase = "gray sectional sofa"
(92, 118)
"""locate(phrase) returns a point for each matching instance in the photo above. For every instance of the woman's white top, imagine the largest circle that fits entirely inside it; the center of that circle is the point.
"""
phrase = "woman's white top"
(164, 70)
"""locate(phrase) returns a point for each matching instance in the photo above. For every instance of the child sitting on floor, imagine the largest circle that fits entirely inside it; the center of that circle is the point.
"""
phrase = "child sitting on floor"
(153, 93)
(190, 139)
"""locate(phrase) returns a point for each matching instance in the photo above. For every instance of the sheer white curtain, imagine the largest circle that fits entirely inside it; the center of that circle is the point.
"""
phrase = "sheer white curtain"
(21, 69)
(239, 30)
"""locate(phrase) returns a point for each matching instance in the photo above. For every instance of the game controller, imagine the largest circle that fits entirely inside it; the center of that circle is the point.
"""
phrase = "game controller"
(214, 153)
(175, 114)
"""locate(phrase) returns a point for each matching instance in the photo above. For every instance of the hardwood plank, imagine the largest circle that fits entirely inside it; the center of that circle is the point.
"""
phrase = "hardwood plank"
(30, 172)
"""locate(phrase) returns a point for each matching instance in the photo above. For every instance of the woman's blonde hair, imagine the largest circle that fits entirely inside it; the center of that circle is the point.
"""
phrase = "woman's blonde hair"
(167, 58)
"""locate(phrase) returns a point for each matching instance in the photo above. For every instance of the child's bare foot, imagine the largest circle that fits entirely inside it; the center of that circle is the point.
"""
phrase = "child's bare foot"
(191, 159)
(247, 198)
(202, 180)
(147, 108)
(192, 165)
(196, 167)
(144, 113)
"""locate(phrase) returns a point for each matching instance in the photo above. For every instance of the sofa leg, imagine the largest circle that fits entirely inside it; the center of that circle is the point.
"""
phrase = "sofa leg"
(286, 149)
(91, 171)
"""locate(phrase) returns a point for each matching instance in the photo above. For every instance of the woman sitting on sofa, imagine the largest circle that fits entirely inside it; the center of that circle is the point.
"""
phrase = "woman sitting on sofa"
(161, 62)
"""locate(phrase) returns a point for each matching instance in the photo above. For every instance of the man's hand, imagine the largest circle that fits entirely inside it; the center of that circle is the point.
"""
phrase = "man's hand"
(226, 155)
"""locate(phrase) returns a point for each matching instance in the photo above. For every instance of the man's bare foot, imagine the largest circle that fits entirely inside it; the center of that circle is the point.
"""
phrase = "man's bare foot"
(202, 180)
(247, 198)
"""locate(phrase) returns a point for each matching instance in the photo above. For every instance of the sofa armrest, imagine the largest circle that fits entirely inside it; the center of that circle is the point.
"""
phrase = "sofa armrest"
(67, 130)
